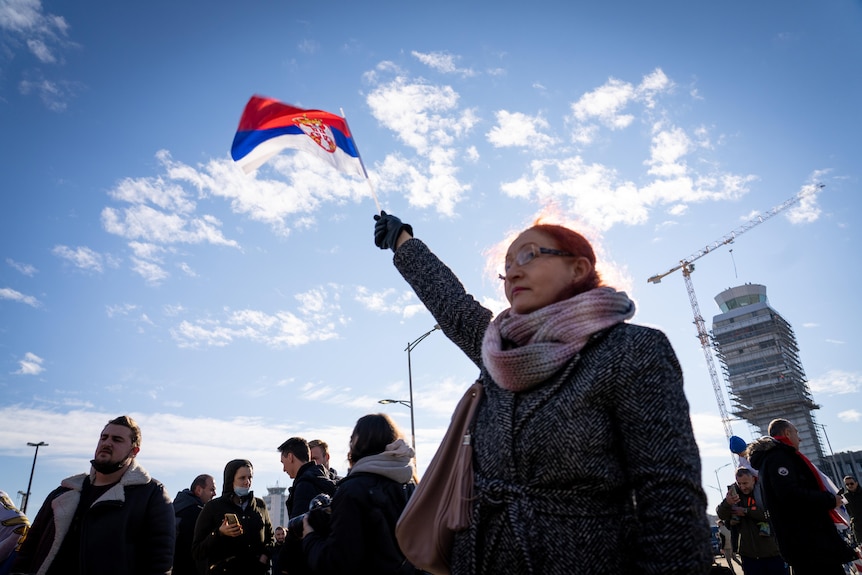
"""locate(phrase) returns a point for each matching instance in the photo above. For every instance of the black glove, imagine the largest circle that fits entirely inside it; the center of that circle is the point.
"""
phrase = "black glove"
(387, 229)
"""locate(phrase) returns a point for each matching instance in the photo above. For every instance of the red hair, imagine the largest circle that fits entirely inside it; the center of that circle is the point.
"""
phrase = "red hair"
(571, 241)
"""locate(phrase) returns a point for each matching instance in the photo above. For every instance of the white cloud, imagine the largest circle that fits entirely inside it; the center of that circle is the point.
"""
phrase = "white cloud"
(599, 195)
(443, 62)
(605, 105)
(26, 16)
(55, 95)
(850, 416)
(81, 257)
(427, 184)
(26, 269)
(836, 382)
(30, 365)
(151, 271)
(316, 320)
(426, 118)
(120, 310)
(709, 434)
(668, 149)
(24, 23)
(421, 115)
(41, 51)
(14, 295)
(308, 46)
(515, 129)
(386, 301)
(807, 211)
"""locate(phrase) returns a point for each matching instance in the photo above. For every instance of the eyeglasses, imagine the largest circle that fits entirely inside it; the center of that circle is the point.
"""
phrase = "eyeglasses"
(528, 252)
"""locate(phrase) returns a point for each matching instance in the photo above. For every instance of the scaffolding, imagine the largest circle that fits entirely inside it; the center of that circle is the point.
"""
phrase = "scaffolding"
(759, 355)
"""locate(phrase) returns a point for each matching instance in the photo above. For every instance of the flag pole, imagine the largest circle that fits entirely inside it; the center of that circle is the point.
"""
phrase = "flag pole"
(361, 163)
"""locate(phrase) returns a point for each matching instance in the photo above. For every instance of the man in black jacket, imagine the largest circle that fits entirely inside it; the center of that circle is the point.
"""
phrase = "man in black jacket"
(800, 507)
(309, 481)
(853, 495)
(187, 506)
(114, 520)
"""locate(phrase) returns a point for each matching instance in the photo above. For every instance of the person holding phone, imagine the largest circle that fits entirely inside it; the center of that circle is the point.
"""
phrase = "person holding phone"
(233, 533)
(756, 544)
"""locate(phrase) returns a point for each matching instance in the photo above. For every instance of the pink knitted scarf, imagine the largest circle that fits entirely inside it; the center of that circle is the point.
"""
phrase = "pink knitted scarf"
(522, 351)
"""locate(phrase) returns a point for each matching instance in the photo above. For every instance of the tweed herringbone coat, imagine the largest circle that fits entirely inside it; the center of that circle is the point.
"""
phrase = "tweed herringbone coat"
(593, 472)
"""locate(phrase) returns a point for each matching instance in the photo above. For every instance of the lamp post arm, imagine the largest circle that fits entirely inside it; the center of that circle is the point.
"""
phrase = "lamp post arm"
(32, 470)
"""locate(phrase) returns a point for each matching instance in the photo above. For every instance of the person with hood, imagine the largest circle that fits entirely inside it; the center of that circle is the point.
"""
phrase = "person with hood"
(187, 507)
(114, 520)
(801, 508)
(562, 367)
(233, 533)
(366, 506)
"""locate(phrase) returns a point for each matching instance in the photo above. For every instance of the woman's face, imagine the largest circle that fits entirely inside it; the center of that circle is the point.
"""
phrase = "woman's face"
(546, 278)
(242, 477)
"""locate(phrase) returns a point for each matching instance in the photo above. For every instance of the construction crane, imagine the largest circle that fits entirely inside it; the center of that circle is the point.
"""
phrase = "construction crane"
(687, 266)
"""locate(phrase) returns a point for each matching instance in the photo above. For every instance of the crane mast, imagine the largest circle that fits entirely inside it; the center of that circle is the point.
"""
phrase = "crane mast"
(687, 267)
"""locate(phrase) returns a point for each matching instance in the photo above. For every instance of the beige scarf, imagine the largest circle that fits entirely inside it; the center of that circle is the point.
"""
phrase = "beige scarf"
(522, 351)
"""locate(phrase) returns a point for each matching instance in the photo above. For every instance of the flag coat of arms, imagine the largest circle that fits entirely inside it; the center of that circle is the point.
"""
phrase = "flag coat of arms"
(268, 126)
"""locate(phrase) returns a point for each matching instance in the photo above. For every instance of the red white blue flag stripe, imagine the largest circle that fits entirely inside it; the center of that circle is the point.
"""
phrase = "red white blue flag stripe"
(268, 126)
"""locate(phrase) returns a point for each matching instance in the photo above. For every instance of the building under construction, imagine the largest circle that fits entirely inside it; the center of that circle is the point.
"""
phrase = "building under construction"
(760, 358)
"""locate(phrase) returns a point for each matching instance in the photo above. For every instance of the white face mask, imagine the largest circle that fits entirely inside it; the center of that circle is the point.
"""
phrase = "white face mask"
(242, 491)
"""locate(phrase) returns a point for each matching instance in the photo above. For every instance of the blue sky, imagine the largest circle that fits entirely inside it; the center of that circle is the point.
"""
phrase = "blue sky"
(142, 272)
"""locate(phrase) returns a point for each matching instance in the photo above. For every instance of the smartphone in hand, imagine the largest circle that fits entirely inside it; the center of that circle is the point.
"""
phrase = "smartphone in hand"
(231, 518)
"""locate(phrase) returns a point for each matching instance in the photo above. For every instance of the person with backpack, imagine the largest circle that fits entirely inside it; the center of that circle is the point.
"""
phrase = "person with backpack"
(361, 535)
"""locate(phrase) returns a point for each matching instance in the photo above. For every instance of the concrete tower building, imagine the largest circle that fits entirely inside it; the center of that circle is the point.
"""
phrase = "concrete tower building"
(275, 503)
(758, 352)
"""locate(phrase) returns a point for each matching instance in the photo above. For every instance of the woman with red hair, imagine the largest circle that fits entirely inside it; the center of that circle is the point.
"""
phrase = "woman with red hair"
(584, 459)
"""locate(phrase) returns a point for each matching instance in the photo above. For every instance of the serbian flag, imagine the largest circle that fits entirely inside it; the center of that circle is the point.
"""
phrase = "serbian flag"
(268, 126)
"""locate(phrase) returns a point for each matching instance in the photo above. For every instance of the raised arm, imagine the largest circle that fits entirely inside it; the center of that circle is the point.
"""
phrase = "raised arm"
(462, 318)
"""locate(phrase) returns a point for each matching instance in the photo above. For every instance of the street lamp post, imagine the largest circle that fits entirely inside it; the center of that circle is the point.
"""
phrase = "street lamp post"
(717, 482)
(409, 402)
(409, 405)
(32, 469)
(410, 347)
(831, 453)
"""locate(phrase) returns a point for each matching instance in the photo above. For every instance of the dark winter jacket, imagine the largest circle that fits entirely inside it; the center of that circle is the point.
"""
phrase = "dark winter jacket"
(362, 541)
(128, 530)
(602, 454)
(311, 480)
(756, 540)
(854, 508)
(234, 555)
(798, 508)
(187, 507)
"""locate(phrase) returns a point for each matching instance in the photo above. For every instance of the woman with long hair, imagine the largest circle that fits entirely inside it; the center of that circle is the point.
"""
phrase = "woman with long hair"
(366, 505)
(584, 459)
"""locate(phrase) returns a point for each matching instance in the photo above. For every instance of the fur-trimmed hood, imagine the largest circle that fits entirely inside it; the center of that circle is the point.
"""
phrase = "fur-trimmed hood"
(758, 449)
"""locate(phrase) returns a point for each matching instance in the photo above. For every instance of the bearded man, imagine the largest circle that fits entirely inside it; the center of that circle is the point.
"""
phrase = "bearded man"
(114, 520)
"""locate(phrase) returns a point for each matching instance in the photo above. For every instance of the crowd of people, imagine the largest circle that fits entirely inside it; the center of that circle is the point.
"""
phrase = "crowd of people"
(584, 460)
(782, 512)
